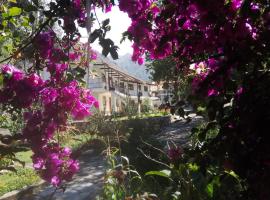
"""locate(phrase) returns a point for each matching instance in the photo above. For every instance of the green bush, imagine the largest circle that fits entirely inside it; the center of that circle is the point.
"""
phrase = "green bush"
(145, 106)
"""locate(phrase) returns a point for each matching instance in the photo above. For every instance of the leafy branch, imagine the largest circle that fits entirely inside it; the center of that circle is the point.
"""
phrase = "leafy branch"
(29, 40)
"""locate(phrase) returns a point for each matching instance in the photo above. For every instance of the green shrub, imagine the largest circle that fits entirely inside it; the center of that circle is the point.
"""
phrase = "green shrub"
(145, 106)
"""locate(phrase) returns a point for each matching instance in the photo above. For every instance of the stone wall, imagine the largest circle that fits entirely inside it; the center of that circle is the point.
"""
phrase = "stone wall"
(153, 123)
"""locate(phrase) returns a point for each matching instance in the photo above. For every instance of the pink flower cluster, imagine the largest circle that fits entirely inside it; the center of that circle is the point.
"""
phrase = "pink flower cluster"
(53, 162)
(192, 29)
(58, 99)
(201, 71)
(80, 52)
(19, 90)
(175, 153)
(48, 105)
(157, 29)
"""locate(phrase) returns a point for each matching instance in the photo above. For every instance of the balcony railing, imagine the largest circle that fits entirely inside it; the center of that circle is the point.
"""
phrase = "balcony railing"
(96, 84)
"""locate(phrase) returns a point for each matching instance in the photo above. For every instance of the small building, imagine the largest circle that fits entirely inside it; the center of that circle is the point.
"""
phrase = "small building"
(114, 88)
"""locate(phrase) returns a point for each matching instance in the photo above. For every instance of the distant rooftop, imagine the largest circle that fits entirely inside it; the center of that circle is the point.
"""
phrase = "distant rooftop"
(116, 70)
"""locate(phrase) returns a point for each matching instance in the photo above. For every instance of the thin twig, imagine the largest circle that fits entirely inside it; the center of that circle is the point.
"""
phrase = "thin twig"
(97, 18)
(30, 41)
(152, 159)
(155, 148)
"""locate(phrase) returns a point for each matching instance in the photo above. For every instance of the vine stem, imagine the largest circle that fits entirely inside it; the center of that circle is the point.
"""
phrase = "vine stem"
(88, 26)
(152, 159)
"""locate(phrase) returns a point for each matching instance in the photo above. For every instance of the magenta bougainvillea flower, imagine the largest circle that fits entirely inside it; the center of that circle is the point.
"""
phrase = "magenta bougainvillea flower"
(59, 98)
(175, 153)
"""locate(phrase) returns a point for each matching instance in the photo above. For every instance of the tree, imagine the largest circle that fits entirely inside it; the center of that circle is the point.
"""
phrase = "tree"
(227, 43)
(27, 33)
(167, 72)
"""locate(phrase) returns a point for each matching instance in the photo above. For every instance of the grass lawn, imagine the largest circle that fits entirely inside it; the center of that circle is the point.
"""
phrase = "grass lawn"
(142, 116)
(25, 156)
(26, 176)
(76, 141)
(12, 181)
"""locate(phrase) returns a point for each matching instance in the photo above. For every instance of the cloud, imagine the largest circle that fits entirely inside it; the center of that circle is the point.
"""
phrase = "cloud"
(119, 22)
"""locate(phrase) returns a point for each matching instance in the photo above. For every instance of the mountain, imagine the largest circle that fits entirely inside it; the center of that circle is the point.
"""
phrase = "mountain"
(126, 64)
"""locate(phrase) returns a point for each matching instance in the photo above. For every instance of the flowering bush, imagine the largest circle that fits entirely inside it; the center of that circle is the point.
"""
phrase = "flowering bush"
(47, 104)
(57, 98)
(227, 43)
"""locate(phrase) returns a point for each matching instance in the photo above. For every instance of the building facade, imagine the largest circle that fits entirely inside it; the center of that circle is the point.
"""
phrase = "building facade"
(114, 88)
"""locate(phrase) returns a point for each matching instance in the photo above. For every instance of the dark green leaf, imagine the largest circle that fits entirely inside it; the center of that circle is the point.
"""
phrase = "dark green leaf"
(31, 18)
(1, 80)
(30, 8)
(210, 189)
(105, 51)
(163, 173)
(95, 35)
(113, 52)
(105, 23)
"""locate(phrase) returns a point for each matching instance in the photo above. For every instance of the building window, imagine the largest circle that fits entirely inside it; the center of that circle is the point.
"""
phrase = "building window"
(139, 87)
(130, 86)
(122, 85)
(145, 88)
(103, 77)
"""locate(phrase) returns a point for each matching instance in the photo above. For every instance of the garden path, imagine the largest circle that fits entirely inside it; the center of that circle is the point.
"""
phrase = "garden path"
(179, 131)
(86, 185)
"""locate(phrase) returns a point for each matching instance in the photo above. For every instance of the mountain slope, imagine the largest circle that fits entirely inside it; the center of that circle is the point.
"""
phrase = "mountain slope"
(126, 64)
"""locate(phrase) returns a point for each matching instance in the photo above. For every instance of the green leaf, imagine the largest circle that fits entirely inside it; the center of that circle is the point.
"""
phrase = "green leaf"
(193, 167)
(25, 22)
(30, 8)
(14, 11)
(210, 189)
(233, 174)
(164, 173)
(96, 33)
(1, 80)
(31, 18)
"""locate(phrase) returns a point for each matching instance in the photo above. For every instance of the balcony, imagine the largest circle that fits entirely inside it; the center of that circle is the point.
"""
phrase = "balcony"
(111, 88)
(96, 84)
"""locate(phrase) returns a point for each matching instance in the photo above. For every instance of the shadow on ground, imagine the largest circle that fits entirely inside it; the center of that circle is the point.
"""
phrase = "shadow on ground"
(86, 184)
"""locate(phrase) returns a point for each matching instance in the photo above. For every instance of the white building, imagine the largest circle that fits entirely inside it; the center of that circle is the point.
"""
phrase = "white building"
(113, 87)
